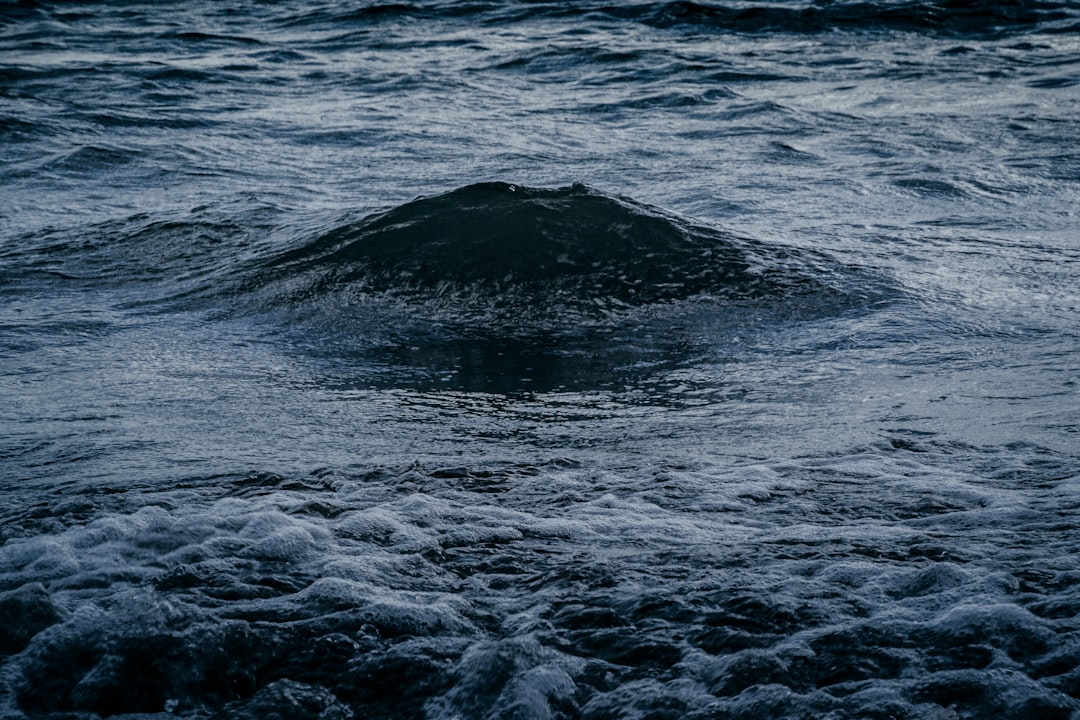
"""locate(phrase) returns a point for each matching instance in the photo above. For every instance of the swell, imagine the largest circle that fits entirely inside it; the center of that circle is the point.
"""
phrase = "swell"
(488, 261)
(501, 254)
(493, 236)
(491, 287)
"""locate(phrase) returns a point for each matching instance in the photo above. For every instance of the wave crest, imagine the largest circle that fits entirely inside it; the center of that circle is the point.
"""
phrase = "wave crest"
(497, 251)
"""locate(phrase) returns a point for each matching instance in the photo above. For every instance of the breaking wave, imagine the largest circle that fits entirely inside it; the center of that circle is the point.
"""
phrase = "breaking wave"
(555, 590)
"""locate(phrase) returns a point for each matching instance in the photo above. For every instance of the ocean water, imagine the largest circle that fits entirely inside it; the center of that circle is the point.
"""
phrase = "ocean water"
(540, 360)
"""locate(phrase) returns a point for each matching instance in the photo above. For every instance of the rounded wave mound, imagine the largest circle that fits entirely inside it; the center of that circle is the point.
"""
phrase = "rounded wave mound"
(500, 288)
(498, 252)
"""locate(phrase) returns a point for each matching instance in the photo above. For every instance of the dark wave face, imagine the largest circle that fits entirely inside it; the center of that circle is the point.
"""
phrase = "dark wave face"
(527, 259)
(496, 236)
(500, 288)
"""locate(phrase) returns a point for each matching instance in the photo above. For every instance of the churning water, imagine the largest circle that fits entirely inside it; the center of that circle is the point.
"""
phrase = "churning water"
(518, 359)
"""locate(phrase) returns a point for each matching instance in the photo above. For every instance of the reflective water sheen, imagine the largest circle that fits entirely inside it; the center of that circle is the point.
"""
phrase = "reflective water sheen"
(530, 360)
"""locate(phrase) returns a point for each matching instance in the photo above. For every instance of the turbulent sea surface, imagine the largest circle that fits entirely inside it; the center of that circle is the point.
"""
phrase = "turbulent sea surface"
(540, 360)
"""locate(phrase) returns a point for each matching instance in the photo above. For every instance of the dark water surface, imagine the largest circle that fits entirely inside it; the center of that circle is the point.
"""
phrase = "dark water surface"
(540, 360)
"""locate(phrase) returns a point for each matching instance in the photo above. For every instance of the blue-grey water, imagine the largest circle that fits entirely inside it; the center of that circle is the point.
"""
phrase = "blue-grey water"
(540, 360)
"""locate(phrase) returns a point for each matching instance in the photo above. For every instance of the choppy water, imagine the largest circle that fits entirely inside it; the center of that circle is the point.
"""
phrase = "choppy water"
(540, 360)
